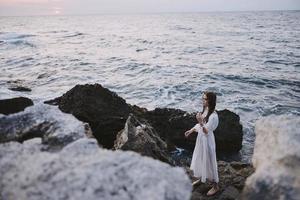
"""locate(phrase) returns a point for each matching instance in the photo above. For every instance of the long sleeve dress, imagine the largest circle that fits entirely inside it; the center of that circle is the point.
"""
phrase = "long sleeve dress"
(204, 161)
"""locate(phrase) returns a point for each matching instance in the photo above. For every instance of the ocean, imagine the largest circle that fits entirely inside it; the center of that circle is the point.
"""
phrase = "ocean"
(250, 59)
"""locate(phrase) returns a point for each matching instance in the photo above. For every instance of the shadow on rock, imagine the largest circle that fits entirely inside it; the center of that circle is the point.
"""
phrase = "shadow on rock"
(142, 138)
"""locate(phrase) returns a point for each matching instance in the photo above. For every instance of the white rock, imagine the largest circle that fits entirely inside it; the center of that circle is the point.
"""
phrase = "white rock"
(84, 171)
(276, 159)
(48, 122)
(276, 138)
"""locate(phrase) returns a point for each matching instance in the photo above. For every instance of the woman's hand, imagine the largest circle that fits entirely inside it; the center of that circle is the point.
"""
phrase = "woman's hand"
(187, 133)
(199, 118)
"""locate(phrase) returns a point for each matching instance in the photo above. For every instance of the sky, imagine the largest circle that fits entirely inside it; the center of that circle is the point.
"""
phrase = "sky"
(82, 7)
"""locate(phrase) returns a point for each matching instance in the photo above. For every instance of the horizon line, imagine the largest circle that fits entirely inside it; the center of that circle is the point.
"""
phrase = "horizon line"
(149, 13)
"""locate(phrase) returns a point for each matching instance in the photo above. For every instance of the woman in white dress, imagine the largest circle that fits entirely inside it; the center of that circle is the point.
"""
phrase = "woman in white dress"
(204, 162)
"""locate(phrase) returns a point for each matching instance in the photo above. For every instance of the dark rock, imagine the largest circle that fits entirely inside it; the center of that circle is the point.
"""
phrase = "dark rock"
(232, 181)
(14, 105)
(20, 89)
(172, 123)
(230, 193)
(229, 134)
(141, 137)
(104, 110)
(106, 113)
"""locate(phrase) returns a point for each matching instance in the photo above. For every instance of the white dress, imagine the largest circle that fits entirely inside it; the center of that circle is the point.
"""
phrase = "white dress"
(204, 161)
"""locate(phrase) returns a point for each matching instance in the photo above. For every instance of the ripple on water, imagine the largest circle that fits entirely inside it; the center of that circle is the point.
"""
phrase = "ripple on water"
(71, 35)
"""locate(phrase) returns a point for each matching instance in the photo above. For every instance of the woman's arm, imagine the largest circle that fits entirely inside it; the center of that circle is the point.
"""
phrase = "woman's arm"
(194, 129)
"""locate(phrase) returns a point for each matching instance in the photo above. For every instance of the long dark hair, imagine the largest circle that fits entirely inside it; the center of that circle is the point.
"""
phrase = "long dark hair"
(211, 99)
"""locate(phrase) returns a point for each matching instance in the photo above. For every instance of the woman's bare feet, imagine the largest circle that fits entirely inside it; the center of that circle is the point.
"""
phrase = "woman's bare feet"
(213, 190)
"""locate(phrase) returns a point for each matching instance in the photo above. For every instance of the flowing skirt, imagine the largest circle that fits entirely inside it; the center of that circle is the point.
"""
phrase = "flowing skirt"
(204, 161)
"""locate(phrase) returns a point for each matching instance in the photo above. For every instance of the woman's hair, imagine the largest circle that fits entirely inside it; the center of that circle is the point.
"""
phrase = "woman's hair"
(211, 100)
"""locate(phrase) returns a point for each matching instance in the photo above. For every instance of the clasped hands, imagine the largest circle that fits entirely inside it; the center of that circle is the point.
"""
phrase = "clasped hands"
(200, 120)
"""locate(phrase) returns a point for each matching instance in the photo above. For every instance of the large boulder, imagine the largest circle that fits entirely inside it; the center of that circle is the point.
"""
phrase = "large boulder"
(107, 113)
(142, 138)
(172, 123)
(47, 122)
(82, 170)
(104, 110)
(276, 159)
(14, 105)
(229, 133)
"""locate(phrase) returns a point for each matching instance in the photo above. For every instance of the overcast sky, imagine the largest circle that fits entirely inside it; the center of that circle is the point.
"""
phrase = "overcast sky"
(61, 7)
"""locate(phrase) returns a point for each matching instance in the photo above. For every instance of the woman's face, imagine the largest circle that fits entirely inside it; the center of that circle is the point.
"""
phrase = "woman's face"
(205, 100)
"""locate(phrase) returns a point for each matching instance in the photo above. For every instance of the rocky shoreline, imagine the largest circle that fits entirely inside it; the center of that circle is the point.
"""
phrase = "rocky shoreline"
(116, 125)
(91, 133)
(107, 113)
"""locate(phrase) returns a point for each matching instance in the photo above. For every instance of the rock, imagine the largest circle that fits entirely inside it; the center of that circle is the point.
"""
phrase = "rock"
(20, 89)
(47, 122)
(229, 134)
(82, 170)
(276, 159)
(172, 123)
(104, 110)
(106, 113)
(142, 138)
(232, 180)
(230, 193)
(14, 105)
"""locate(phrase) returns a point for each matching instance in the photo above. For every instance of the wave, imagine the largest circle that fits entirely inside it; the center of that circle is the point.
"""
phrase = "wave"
(22, 42)
(13, 36)
(143, 41)
(73, 35)
(22, 60)
(179, 27)
(16, 39)
(262, 81)
(139, 50)
(283, 62)
(279, 109)
(60, 31)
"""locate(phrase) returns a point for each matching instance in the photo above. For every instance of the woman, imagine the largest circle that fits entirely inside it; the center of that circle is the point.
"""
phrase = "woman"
(204, 162)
